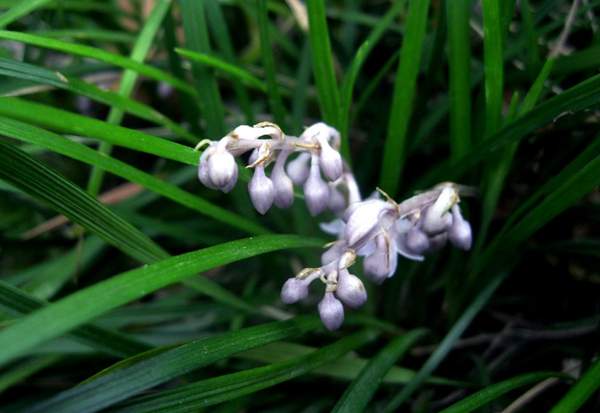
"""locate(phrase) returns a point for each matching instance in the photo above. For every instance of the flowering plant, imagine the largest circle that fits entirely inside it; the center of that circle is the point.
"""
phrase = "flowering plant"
(377, 228)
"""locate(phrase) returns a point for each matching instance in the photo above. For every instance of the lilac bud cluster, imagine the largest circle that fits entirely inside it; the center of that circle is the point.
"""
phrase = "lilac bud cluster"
(318, 158)
(377, 229)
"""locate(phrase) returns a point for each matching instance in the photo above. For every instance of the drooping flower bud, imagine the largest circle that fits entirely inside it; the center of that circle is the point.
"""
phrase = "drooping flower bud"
(460, 233)
(294, 290)
(350, 290)
(382, 263)
(284, 189)
(203, 168)
(436, 218)
(316, 191)
(222, 168)
(297, 169)
(331, 160)
(331, 311)
(261, 190)
(416, 241)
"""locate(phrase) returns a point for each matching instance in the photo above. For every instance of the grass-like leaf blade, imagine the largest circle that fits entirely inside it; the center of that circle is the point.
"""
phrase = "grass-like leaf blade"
(101, 339)
(446, 344)
(581, 391)
(100, 55)
(24, 172)
(496, 390)
(359, 393)
(88, 303)
(405, 85)
(56, 143)
(323, 69)
(22, 8)
(219, 389)
(110, 388)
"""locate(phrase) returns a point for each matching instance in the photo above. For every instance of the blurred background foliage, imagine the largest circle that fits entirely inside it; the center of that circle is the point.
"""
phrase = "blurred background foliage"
(127, 286)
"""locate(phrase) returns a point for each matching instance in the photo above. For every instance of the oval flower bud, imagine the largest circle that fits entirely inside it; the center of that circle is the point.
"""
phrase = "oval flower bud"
(350, 290)
(298, 170)
(331, 311)
(316, 191)
(436, 218)
(284, 189)
(203, 168)
(261, 190)
(294, 290)
(416, 241)
(460, 233)
(331, 160)
(222, 168)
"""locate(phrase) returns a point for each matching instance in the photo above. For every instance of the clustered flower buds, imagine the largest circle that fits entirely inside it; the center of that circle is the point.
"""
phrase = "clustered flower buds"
(377, 229)
(317, 157)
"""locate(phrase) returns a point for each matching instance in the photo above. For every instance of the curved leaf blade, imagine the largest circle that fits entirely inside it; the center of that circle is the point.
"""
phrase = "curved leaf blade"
(359, 393)
(120, 384)
(88, 303)
(490, 393)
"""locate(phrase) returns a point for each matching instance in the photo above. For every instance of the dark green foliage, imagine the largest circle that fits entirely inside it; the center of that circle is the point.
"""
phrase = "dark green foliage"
(149, 295)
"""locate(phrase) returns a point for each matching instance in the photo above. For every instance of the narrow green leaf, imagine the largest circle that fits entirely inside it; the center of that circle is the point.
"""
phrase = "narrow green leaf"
(405, 85)
(579, 97)
(346, 368)
(90, 302)
(446, 344)
(357, 62)
(22, 8)
(117, 385)
(323, 69)
(493, 64)
(266, 48)
(196, 39)
(101, 339)
(498, 170)
(89, 34)
(52, 275)
(22, 171)
(218, 25)
(13, 68)
(359, 393)
(100, 55)
(459, 68)
(227, 387)
(494, 391)
(68, 122)
(234, 71)
(128, 80)
(581, 391)
(56, 143)
(25, 369)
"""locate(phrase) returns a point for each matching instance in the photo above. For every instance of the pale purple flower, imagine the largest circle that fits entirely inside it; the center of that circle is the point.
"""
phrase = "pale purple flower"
(261, 190)
(284, 189)
(298, 169)
(460, 233)
(316, 190)
(222, 168)
(331, 311)
(350, 289)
